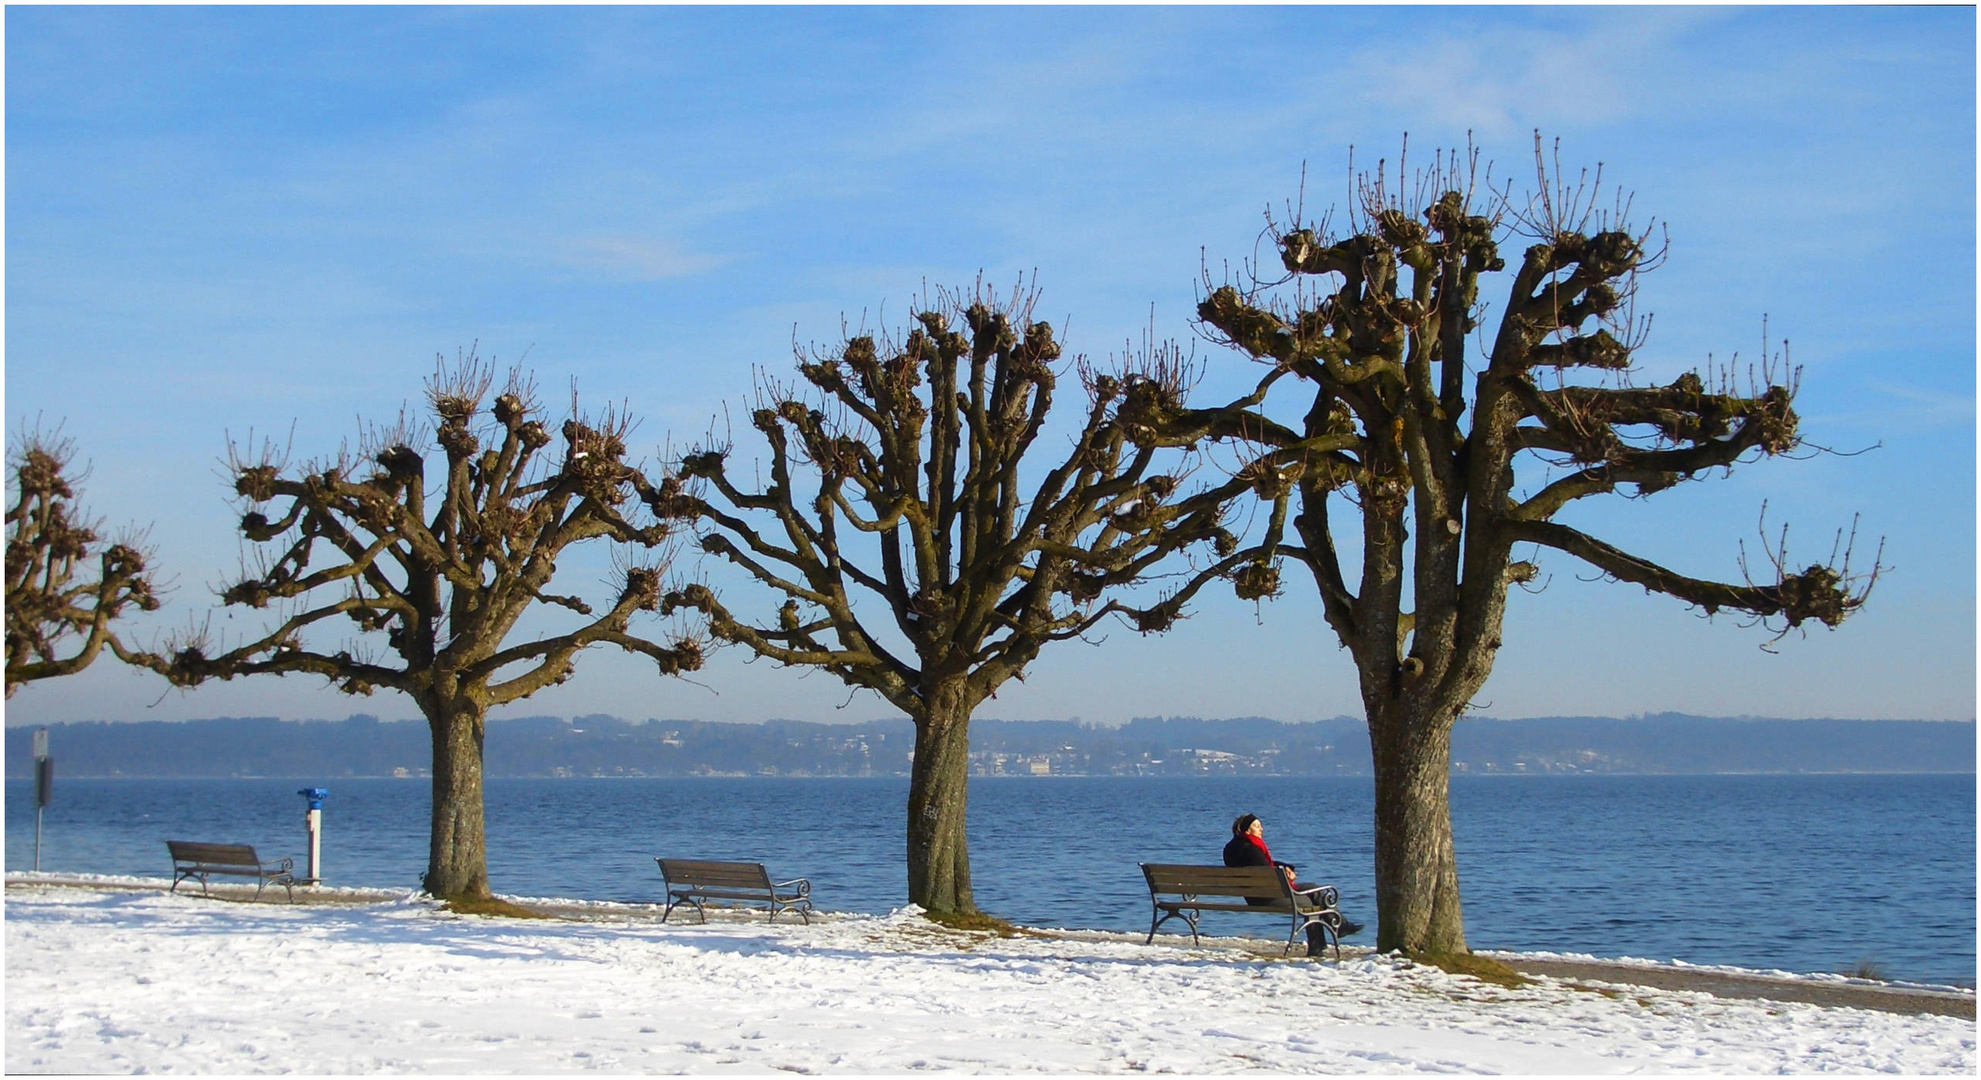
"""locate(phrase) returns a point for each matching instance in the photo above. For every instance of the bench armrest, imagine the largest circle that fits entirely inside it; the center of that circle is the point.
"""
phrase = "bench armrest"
(804, 885)
(285, 865)
(1325, 896)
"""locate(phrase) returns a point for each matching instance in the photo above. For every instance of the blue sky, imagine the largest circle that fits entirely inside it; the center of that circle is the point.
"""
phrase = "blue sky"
(230, 219)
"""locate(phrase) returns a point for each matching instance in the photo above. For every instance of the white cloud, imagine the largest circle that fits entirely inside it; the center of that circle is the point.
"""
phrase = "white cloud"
(634, 258)
(1502, 83)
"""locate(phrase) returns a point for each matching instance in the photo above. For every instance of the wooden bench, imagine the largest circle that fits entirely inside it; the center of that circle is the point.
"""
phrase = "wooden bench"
(695, 882)
(1190, 885)
(191, 860)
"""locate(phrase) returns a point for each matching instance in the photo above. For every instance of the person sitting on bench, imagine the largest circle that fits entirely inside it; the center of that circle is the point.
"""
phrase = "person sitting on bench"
(1248, 848)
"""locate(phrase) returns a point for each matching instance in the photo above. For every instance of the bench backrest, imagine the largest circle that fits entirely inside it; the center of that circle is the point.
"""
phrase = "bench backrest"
(715, 875)
(213, 854)
(1261, 881)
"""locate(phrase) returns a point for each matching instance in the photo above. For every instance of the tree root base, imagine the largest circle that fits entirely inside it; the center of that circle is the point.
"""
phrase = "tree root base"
(972, 920)
(489, 905)
(1479, 967)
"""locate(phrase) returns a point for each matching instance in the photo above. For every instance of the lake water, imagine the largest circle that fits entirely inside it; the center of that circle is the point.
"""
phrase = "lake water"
(1804, 873)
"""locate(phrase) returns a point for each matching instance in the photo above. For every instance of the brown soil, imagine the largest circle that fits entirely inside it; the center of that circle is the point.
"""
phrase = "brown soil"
(492, 906)
(1852, 995)
(1483, 968)
(975, 920)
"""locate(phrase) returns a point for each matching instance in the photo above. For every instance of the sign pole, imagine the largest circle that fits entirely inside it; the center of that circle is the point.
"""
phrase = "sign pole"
(44, 782)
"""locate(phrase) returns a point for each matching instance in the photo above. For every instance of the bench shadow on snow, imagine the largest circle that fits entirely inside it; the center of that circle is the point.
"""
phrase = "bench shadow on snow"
(422, 923)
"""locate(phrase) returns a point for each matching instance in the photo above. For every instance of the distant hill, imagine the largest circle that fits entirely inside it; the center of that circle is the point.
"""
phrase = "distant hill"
(547, 746)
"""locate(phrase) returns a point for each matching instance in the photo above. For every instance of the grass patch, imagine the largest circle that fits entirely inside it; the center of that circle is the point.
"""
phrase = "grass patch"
(1866, 968)
(974, 920)
(491, 906)
(1479, 967)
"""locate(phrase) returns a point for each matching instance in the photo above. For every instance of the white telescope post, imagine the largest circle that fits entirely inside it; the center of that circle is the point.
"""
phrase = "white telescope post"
(313, 821)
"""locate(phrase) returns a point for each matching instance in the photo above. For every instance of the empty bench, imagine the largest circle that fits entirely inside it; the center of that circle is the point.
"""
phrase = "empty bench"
(1193, 890)
(695, 882)
(192, 860)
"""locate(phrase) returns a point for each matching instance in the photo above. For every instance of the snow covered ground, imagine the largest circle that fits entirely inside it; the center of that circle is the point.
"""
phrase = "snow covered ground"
(111, 980)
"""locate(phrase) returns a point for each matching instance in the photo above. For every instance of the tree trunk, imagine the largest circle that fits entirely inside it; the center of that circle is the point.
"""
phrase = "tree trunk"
(457, 859)
(1417, 908)
(938, 850)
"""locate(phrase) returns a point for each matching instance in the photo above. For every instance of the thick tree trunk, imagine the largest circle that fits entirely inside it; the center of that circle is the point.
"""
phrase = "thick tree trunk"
(1417, 909)
(457, 859)
(938, 850)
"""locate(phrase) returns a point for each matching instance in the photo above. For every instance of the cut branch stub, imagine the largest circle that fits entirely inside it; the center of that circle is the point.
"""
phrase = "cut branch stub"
(1819, 593)
(1256, 581)
(256, 482)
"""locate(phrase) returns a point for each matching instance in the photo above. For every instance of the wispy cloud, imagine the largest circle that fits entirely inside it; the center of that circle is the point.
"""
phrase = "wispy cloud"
(632, 258)
(1916, 409)
(1567, 70)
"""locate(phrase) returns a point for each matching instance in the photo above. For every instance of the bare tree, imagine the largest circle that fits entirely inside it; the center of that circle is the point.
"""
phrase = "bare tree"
(64, 586)
(445, 572)
(1366, 334)
(912, 459)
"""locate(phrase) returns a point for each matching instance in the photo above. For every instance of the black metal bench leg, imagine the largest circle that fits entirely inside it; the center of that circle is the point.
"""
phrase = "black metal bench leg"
(1157, 922)
(796, 907)
(1309, 924)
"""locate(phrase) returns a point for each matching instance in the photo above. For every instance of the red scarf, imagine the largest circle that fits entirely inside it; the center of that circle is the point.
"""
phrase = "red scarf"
(1259, 842)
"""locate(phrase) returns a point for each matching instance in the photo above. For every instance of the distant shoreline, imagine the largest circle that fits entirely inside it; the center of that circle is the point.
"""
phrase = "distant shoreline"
(605, 746)
(1213, 778)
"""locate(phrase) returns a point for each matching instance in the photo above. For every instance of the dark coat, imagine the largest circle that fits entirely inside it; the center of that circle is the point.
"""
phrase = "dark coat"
(1243, 852)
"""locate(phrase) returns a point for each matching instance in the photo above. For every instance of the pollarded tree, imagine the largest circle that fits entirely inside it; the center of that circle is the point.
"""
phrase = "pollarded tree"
(1370, 346)
(445, 568)
(915, 560)
(64, 586)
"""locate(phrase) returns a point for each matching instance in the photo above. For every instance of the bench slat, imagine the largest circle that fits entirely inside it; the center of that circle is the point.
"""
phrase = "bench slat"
(729, 894)
(216, 854)
(1278, 908)
(717, 874)
(1261, 881)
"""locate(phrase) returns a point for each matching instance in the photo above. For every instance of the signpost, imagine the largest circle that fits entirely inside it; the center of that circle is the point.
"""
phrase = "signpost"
(44, 784)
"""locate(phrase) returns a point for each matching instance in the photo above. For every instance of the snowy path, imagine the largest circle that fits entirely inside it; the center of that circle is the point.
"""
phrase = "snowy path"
(117, 981)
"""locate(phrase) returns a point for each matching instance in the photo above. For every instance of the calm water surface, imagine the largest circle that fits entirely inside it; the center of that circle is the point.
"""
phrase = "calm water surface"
(1806, 873)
